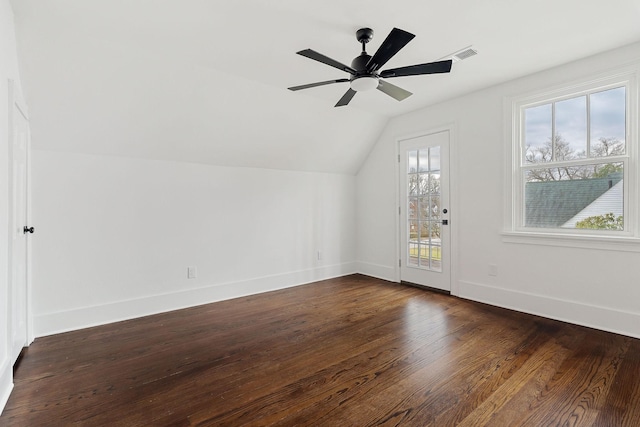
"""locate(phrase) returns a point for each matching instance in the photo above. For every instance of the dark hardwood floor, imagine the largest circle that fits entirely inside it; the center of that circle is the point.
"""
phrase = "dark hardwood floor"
(353, 351)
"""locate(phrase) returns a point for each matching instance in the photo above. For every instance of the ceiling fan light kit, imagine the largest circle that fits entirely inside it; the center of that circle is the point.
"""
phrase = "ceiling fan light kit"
(364, 70)
(360, 84)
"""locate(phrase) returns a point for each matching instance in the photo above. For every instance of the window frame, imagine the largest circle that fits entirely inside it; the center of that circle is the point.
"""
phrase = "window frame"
(514, 230)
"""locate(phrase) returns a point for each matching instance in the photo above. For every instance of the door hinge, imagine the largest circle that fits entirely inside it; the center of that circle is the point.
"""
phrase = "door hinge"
(399, 263)
(398, 158)
(399, 213)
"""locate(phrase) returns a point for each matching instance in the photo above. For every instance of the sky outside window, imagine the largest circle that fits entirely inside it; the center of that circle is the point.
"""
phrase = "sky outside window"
(608, 115)
(571, 124)
(606, 120)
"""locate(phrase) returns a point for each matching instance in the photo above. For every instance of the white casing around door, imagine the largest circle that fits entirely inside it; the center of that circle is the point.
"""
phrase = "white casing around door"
(425, 237)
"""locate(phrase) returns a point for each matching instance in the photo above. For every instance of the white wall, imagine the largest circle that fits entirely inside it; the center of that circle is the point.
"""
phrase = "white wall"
(115, 235)
(8, 70)
(597, 288)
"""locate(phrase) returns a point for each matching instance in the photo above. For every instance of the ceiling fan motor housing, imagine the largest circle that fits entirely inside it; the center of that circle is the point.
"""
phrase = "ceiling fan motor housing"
(362, 80)
(359, 63)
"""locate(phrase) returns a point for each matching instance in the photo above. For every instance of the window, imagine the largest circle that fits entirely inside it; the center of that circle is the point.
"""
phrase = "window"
(574, 162)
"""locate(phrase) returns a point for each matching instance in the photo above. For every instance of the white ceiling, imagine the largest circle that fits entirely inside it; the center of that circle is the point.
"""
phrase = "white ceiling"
(205, 81)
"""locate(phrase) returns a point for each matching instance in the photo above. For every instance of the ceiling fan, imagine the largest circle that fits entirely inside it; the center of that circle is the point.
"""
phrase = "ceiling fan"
(364, 69)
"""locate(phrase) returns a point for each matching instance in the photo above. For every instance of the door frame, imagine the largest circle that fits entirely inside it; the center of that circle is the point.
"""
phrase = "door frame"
(17, 101)
(451, 127)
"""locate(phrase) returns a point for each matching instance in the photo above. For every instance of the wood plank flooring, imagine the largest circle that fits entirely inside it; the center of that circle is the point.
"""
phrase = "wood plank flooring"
(353, 351)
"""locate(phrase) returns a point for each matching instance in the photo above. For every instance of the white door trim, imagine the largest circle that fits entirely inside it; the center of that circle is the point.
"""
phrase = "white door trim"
(453, 198)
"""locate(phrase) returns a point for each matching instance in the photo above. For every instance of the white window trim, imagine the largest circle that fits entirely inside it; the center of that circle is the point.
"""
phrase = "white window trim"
(513, 231)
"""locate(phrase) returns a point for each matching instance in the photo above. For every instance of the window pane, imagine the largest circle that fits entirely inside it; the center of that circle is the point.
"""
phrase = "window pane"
(413, 184)
(537, 134)
(424, 255)
(436, 257)
(434, 229)
(413, 208)
(414, 249)
(435, 207)
(608, 130)
(434, 184)
(434, 157)
(424, 183)
(413, 231)
(412, 161)
(423, 160)
(570, 140)
(425, 232)
(424, 209)
(589, 196)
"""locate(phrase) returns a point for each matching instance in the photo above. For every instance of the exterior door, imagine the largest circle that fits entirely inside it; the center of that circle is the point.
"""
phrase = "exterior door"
(424, 211)
(19, 174)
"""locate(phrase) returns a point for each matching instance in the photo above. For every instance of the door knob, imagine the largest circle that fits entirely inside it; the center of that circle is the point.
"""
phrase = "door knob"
(26, 230)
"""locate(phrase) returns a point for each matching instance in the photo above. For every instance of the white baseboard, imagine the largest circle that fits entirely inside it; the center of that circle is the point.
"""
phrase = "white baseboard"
(603, 318)
(6, 383)
(79, 318)
(378, 271)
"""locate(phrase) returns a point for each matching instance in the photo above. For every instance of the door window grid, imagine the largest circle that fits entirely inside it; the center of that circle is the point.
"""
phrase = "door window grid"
(424, 227)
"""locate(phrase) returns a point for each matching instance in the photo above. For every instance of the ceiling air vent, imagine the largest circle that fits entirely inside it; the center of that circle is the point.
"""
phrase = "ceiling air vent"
(465, 53)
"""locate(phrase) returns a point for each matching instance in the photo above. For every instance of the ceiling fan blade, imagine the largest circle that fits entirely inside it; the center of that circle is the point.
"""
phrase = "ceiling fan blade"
(346, 98)
(393, 91)
(415, 70)
(396, 40)
(307, 86)
(312, 54)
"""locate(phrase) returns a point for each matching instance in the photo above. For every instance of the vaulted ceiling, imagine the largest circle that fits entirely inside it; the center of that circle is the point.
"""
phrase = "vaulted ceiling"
(205, 81)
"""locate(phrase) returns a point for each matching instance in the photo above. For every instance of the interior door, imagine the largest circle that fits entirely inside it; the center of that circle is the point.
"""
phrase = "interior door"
(18, 289)
(424, 211)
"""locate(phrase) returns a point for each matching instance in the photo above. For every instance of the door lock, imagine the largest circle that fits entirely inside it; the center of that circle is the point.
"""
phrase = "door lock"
(445, 222)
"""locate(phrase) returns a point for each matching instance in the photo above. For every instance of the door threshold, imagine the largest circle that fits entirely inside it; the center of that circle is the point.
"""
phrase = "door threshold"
(426, 288)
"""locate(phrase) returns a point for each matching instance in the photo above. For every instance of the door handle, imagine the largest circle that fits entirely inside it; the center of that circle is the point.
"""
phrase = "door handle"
(445, 222)
(26, 230)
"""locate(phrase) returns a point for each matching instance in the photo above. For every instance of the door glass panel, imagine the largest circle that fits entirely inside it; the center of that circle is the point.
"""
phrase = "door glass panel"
(436, 258)
(413, 208)
(413, 184)
(414, 250)
(425, 232)
(424, 255)
(434, 206)
(413, 231)
(423, 161)
(434, 159)
(424, 208)
(424, 183)
(434, 183)
(413, 162)
(434, 231)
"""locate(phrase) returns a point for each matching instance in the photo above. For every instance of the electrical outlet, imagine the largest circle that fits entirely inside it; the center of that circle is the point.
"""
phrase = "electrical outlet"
(493, 270)
(192, 272)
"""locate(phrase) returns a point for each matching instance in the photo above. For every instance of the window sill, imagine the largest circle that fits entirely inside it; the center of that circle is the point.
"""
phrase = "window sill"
(609, 243)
